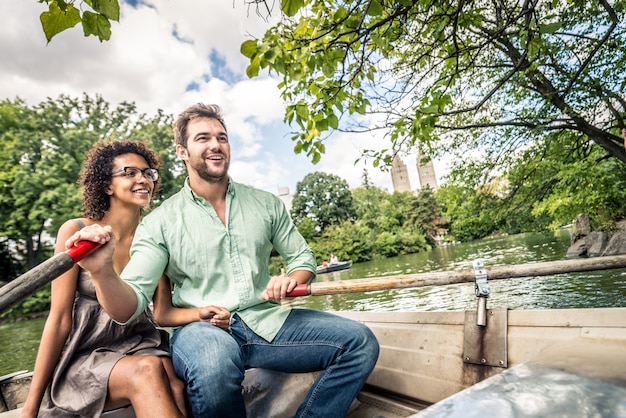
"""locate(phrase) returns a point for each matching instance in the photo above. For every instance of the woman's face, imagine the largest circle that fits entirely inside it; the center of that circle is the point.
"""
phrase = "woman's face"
(131, 184)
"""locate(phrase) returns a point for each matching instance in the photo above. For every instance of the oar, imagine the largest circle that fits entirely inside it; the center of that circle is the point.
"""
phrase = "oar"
(28, 283)
(453, 277)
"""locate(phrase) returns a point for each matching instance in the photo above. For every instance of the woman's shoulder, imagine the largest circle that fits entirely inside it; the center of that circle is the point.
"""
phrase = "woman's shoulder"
(75, 224)
(71, 226)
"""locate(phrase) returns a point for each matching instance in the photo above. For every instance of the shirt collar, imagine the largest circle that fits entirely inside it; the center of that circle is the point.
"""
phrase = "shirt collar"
(187, 190)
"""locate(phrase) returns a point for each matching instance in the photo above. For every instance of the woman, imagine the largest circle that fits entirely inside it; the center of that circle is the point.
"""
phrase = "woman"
(87, 363)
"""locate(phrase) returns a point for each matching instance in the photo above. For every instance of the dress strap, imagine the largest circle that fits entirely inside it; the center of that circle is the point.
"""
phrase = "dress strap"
(79, 222)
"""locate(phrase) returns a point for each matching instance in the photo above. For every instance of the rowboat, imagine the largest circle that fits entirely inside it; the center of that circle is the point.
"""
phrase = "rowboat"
(474, 363)
(342, 265)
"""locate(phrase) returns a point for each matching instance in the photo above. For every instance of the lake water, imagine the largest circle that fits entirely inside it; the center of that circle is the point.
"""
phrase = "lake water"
(576, 290)
(19, 341)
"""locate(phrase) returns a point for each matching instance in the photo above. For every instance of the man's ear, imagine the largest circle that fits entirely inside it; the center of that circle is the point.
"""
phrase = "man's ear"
(181, 152)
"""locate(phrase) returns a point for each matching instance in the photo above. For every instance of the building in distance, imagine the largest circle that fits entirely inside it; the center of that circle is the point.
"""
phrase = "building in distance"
(425, 172)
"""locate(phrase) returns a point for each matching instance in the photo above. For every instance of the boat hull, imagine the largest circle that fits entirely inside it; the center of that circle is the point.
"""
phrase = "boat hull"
(424, 360)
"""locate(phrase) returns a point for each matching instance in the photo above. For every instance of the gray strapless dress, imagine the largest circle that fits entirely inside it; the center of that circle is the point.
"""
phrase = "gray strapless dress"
(79, 384)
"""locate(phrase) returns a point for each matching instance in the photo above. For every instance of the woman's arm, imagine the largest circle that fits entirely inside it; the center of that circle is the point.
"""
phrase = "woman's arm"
(168, 315)
(57, 327)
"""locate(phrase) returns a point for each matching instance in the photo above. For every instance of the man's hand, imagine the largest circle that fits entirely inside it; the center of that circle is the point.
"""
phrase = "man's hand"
(278, 287)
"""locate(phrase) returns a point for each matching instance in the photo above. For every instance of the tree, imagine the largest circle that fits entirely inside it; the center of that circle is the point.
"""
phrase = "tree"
(468, 211)
(43, 149)
(347, 240)
(425, 214)
(554, 187)
(458, 75)
(367, 201)
(324, 198)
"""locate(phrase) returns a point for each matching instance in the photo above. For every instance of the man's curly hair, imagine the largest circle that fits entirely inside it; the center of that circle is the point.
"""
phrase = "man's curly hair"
(95, 176)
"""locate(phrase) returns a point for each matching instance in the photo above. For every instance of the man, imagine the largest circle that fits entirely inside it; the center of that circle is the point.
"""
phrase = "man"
(213, 240)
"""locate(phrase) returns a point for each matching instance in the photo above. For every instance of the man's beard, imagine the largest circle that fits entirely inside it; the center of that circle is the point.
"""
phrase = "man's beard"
(201, 168)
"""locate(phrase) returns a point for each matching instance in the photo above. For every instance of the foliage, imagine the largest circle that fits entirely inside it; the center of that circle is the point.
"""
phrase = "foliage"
(62, 15)
(467, 211)
(565, 183)
(308, 229)
(348, 241)
(424, 215)
(323, 198)
(545, 186)
(37, 302)
(43, 148)
(481, 75)
(97, 15)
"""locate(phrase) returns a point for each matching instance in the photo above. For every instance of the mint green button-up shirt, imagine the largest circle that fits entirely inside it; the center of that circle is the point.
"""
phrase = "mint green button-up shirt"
(212, 264)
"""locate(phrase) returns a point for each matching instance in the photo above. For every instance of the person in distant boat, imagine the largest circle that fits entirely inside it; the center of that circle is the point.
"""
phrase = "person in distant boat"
(324, 264)
(87, 363)
(213, 240)
(333, 259)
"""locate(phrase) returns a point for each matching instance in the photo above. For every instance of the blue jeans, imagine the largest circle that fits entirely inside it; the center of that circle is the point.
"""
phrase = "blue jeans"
(212, 362)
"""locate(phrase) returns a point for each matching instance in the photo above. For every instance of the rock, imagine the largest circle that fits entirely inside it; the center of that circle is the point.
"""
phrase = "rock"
(581, 227)
(616, 244)
(585, 242)
(596, 243)
(577, 249)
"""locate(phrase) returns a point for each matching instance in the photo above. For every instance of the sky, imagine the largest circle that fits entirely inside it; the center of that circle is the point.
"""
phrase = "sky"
(168, 55)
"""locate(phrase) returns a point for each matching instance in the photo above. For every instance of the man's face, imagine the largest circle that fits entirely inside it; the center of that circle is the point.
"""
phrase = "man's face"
(208, 151)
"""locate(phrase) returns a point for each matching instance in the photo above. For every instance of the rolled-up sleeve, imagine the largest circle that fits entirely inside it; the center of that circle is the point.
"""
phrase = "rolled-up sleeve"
(289, 243)
(148, 258)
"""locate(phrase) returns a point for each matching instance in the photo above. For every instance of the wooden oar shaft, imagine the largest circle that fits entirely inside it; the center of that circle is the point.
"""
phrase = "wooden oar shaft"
(28, 283)
(463, 276)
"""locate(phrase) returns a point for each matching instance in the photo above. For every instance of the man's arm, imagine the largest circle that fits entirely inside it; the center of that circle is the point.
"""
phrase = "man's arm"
(117, 298)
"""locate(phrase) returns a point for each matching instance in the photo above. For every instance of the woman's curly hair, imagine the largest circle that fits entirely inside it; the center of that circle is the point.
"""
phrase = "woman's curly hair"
(95, 177)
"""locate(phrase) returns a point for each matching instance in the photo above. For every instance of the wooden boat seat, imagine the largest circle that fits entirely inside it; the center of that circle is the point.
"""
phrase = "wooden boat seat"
(583, 378)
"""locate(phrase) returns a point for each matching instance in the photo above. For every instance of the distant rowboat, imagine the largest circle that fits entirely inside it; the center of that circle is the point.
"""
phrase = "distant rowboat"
(342, 265)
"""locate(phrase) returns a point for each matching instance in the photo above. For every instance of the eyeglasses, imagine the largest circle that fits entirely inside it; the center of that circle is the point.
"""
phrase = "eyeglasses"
(134, 173)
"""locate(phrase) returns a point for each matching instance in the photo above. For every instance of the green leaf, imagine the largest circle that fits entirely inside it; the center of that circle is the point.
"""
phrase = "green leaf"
(333, 121)
(97, 25)
(109, 8)
(55, 20)
(248, 48)
(375, 8)
(550, 27)
(253, 68)
(291, 7)
(322, 125)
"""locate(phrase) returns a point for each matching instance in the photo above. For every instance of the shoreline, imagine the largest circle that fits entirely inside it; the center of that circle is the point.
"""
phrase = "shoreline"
(26, 317)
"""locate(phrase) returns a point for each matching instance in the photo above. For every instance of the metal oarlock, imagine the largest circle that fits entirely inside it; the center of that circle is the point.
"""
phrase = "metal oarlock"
(482, 292)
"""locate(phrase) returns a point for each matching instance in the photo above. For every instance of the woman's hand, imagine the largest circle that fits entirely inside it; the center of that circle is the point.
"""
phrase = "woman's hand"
(216, 315)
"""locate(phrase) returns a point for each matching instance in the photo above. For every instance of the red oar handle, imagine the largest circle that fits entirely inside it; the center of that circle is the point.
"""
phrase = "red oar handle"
(82, 249)
(299, 290)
